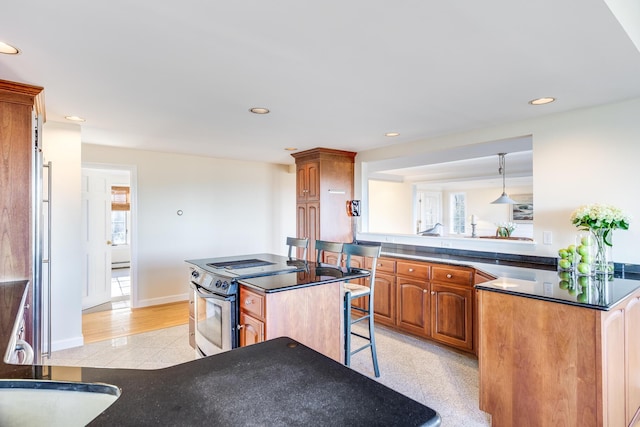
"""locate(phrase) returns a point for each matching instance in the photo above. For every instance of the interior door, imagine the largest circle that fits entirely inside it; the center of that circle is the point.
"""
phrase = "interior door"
(96, 237)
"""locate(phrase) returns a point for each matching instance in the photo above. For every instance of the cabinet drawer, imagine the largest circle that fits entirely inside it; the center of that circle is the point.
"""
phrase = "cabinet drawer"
(386, 265)
(412, 269)
(252, 302)
(461, 276)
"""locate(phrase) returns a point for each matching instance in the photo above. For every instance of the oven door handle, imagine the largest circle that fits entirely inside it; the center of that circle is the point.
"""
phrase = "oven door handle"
(206, 294)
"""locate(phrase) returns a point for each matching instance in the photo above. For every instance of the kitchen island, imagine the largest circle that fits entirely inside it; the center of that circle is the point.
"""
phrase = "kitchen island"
(276, 296)
(278, 382)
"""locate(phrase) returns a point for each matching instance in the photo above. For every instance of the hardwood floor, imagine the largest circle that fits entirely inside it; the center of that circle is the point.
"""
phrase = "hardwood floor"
(105, 325)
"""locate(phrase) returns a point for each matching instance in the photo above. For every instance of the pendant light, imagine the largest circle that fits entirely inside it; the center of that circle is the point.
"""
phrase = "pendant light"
(504, 199)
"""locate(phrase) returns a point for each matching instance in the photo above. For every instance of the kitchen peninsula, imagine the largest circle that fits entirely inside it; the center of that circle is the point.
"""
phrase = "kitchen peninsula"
(562, 350)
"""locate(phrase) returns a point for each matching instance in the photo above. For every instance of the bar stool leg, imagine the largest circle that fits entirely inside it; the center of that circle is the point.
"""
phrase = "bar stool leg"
(372, 339)
(347, 328)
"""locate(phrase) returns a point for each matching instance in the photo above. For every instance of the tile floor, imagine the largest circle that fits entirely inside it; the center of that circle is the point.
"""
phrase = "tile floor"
(442, 379)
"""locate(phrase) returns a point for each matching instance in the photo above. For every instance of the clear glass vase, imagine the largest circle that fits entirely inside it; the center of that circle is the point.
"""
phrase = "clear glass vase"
(603, 245)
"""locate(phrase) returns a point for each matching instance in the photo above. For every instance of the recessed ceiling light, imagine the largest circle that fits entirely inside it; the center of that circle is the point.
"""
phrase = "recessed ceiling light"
(75, 118)
(8, 49)
(290, 148)
(259, 110)
(392, 134)
(542, 101)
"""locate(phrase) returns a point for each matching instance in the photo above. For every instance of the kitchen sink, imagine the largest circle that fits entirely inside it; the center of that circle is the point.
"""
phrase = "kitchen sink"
(53, 403)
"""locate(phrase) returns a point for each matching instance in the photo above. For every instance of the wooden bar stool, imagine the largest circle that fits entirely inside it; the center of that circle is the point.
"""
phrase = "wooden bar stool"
(294, 242)
(354, 291)
(323, 246)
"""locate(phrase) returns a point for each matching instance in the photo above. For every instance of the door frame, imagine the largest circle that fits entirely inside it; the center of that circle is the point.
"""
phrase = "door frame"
(133, 185)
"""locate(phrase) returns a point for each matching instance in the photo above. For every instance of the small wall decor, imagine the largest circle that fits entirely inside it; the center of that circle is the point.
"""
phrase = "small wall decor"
(353, 207)
(522, 211)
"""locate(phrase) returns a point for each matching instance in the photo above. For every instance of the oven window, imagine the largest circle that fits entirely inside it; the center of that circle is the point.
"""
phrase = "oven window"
(210, 321)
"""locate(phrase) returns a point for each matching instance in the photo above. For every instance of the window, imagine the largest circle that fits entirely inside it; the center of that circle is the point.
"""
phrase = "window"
(120, 206)
(458, 212)
(119, 229)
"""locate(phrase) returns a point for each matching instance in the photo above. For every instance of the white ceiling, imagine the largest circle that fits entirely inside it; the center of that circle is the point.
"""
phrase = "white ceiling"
(181, 76)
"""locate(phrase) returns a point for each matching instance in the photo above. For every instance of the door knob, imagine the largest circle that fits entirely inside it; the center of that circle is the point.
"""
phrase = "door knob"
(108, 242)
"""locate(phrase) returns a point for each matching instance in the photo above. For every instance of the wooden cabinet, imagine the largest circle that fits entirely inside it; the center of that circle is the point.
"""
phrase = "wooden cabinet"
(252, 312)
(308, 181)
(452, 306)
(311, 315)
(581, 365)
(430, 300)
(412, 283)
(19, 104)
(324, 183)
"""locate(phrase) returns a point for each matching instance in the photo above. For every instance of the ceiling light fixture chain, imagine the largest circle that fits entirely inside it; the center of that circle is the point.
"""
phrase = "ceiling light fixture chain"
(502, 170)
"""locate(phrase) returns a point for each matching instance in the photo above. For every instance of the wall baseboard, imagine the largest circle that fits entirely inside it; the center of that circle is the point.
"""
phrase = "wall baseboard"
(161, 300)
(67, 343)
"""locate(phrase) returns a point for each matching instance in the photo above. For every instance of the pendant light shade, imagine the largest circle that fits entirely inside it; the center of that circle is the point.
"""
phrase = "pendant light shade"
(504, 198)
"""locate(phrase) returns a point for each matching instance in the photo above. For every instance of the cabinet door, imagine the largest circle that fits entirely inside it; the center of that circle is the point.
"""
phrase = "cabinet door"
(251, 330)
(384, 299)
(308, 182)
(308, 225)
(452, 315)
(413, 306)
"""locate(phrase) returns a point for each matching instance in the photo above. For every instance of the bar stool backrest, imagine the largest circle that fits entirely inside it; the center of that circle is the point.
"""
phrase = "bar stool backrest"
(294, 242)
(323, 246)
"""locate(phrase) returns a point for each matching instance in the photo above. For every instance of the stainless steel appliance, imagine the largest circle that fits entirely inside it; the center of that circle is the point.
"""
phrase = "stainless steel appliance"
(214, 282)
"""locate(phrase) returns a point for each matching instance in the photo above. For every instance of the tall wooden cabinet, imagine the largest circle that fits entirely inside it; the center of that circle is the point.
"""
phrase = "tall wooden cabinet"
(19, 105)
(324, 183)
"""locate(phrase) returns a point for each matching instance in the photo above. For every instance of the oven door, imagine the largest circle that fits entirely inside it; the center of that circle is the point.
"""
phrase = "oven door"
(215, 316)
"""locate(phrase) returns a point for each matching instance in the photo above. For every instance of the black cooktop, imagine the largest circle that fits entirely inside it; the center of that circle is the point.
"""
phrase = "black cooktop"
(239, 264)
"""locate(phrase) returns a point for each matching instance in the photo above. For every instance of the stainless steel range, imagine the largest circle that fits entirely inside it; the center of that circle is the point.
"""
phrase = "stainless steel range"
(214, 282)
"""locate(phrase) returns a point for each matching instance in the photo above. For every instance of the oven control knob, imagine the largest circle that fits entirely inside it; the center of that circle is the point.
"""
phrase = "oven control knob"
(225, 285)
(195, 274)
(218, 283)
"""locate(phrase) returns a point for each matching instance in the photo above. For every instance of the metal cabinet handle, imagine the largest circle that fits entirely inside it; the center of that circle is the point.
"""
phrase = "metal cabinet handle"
(240, 327)
(424, 291)
(248, 302)
(411, 270)
(449, 276)
(433, 292)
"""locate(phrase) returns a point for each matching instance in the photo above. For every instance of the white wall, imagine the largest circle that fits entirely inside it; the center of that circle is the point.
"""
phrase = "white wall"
(229, 208)
(388, 200)
(579, 157)
(61, 144)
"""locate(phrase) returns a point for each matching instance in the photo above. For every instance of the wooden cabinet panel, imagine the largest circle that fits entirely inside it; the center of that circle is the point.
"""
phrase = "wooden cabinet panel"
(413, 269)
(252, 302)
(308, 182)
(384, 299)
(251, 330)
(413, 306)
(449, 274)
(452, 315)
(613, 368)
(632, 326)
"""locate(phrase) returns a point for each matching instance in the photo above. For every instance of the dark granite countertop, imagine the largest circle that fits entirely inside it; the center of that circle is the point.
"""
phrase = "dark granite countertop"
(316, 274)
(281, 274)
(531, 278)
(278, 382)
